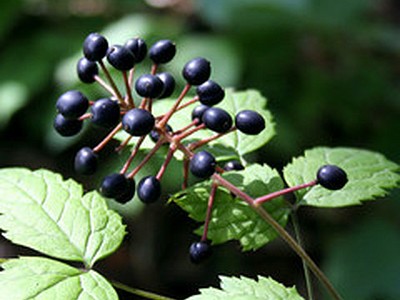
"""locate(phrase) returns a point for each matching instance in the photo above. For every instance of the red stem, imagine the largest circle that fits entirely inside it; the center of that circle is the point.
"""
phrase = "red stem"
(129, 100)
(263, 199)
(210, 204)
(111, 81)
(185, 172)
(146, 158)
(133, 154)
(167, 160)
(108, 138)
(204, 141)
(168, 115)
(85, 116)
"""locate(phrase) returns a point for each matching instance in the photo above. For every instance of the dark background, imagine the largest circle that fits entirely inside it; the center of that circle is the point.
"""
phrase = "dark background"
(330, 70)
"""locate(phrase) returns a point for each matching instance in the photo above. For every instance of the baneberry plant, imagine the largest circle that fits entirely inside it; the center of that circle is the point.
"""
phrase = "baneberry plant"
(210, 132)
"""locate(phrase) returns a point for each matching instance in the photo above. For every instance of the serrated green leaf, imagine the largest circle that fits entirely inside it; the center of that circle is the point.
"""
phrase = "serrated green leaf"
(244, 288)
(42, 211)
(42, 278)
(369, 173)
(232, 218)
(235, 143)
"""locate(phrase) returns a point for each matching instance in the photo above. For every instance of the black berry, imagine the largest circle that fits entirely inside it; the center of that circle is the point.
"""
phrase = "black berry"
(233, 165)
(149, 189)
(138, 47)
(87, 70)
(331, 177)
(197, 71)
(72, 104)
(67, 127)
(115, 186)
(105, 112)
(149, 86)
(217, 119)
(155, 136)
(249, 122)
(210, 93)
(198, 111)
(85, 161)
(121, 58)
(129, 192)
(202, 164)
(199, 251)
(168, 84)
(95, 47)
(138, 122)
(162, 51)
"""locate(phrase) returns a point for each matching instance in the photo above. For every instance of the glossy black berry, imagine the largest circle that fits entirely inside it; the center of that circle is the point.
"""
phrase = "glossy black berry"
(105, 112)
(138, 122)
(72, 104)
(210, 93)
(85, 161)
(249, 122)
(95, 47)
(138, 47)
(202, 164)
(67, 127)
(155, 136)
(121, 58)
(233, 165)
(198, 111)
(115, 186)
(199, 251)
(129, 192)
(149, 189)
(168, 84)
(197, 71)
(149, 86)
(162, 51)
(331, 177)
(217, 119)
(87, 70)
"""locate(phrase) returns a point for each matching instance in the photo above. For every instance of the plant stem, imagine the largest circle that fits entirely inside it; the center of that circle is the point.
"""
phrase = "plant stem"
(204, 141)
(296, 227)
(133, 154)
(129, 100)
(282, 232)
(288, 190)
(167, 160)
(108, 138)
(138, 292)
(210, 204)
(168, 115)
(146, 158)
(111, 81)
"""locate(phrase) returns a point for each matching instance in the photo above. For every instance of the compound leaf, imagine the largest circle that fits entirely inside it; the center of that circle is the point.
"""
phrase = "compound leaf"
(369, 173)
(38, 209)
(232, 218)
(42, 278)
(244, 288)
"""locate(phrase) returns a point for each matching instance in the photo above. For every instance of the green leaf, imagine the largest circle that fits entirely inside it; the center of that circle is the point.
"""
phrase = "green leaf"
(236, 143)
(42, 278)
(369, 173)
(42, 211)
(244, 288)
(232, 218)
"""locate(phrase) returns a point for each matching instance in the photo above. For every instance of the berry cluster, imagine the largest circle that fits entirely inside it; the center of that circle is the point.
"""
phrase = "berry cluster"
(120, 111)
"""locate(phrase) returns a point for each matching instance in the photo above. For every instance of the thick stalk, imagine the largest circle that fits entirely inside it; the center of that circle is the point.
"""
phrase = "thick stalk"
(282, 232)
